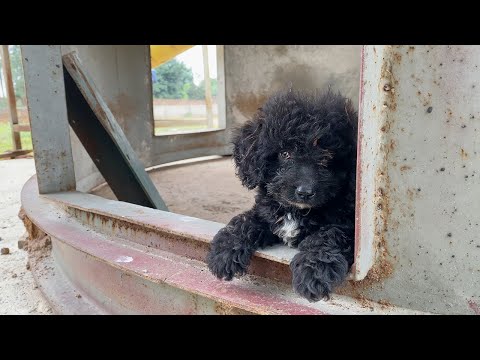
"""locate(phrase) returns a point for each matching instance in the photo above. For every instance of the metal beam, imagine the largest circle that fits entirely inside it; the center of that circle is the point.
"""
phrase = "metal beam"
(48, 118)
(104, 140)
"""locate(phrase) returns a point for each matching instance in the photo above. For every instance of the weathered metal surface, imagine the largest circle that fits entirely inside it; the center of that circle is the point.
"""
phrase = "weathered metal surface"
(178, 234)
(254, 72)
(42, 66)
(11, 98)
(104, 140)
(60, 293)
(114, 272)
(420, 177)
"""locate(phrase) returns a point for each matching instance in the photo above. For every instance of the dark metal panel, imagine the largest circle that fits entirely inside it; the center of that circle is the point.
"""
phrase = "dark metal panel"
(104, 140)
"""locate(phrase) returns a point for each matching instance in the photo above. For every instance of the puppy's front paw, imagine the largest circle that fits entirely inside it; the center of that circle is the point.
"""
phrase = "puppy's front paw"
(315, 275)
(228, 258)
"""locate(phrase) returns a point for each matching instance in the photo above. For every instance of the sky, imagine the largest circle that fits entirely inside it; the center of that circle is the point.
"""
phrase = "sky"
(193, 58)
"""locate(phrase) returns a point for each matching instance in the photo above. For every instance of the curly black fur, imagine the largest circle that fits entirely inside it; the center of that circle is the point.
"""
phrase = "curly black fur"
(299, 151)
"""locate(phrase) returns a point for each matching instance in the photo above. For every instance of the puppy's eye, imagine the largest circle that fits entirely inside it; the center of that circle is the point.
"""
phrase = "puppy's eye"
(285, 155)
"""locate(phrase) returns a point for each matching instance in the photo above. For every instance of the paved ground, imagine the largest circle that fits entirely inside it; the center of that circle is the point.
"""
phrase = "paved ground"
(18, 293)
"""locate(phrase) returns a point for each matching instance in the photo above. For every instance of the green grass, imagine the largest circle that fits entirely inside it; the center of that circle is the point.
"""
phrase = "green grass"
(6, 138)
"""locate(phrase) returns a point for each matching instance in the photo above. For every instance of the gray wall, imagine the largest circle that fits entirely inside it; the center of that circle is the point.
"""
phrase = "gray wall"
(253, 72)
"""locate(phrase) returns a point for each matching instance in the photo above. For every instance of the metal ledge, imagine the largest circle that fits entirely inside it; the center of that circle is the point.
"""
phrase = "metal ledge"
(111, 257)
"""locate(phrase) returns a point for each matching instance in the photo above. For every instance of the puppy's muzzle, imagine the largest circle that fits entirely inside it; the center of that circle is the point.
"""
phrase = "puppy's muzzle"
(304, 192)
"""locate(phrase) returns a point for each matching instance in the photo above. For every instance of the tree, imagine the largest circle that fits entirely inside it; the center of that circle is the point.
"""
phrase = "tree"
(198, 92)
(174, 80)
(17, 72)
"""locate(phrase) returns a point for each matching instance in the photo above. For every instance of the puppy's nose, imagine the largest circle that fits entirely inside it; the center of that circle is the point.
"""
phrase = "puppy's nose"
(304, 192)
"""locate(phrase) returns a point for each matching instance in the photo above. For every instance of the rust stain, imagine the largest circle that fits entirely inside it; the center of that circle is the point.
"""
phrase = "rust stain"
(225, 309)
(124, 110)
(249, 103)
(473, 305)
(382, 267)
(385, 303)
(386, 73)
(392, 144)
(397, 57)
(463, 154)
(405, 167)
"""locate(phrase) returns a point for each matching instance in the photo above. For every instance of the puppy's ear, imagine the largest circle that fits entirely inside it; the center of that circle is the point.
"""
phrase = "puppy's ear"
(246, 154)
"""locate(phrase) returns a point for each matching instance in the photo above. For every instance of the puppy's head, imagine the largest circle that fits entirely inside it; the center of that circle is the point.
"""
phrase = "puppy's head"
(301, 148)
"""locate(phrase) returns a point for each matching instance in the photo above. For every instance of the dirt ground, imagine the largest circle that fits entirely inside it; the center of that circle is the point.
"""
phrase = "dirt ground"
(207, 190)
(18, 293)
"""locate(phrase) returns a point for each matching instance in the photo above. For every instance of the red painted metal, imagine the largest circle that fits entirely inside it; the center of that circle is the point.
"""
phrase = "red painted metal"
(73, 244)
(358, 188)
(102, 261)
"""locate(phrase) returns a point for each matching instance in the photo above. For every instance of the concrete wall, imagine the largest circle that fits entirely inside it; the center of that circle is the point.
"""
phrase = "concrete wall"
(420, 184)
(255, 72)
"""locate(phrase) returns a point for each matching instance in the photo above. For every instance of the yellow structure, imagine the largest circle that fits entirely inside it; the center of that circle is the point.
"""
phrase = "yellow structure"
(162, 53)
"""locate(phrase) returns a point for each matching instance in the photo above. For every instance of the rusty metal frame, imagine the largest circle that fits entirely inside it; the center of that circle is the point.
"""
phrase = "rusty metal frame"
(109, 257)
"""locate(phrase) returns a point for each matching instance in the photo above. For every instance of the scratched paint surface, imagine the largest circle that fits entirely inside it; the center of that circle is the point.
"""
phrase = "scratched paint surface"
(420, 176)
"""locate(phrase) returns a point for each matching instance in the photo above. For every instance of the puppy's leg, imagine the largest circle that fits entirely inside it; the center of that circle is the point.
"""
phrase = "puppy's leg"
(322, 263)
(233, 246)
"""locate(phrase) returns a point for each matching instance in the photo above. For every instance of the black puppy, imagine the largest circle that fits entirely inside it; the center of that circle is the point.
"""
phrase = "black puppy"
(299, 151)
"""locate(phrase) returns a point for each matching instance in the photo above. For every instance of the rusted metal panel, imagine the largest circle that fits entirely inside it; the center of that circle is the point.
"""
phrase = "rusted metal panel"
(104, 140)
(47, 111)
(115, 272)
(420, 177)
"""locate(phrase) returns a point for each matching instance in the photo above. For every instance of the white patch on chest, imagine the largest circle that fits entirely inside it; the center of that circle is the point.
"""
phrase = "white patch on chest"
(289, 229)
